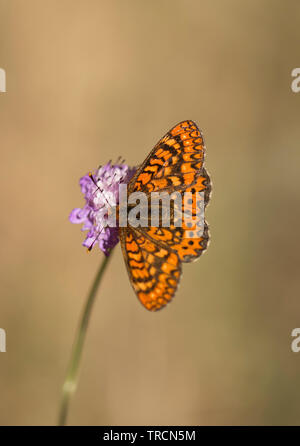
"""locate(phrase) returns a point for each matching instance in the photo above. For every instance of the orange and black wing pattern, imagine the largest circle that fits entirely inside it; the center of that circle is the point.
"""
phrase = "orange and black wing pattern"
(190, 239)
(154, 271)
(154, 254)
(174, 162)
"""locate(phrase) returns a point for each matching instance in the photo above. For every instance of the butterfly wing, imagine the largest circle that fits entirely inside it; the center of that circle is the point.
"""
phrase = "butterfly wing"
(190, 239)
(154, 271)
(153, 255)
(174, 162)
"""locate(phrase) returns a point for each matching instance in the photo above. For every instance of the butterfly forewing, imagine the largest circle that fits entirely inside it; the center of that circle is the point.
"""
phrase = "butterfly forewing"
(173, 163)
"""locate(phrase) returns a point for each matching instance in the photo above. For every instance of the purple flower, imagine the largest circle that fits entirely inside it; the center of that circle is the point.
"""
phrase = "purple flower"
(101, 193)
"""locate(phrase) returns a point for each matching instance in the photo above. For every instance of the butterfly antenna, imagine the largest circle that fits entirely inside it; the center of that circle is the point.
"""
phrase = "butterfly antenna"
(98, 188)
(111, 181)
(98, 235)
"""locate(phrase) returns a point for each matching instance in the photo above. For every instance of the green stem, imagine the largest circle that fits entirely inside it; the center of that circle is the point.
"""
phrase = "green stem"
(70, 383)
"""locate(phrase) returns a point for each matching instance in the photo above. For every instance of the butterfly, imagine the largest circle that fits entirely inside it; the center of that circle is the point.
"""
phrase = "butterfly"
(154, 255)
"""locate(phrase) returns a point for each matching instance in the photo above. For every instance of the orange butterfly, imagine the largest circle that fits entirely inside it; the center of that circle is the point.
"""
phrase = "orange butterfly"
(153, 255)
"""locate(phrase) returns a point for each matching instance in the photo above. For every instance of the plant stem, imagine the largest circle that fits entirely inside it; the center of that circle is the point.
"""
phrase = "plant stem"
(70, 383)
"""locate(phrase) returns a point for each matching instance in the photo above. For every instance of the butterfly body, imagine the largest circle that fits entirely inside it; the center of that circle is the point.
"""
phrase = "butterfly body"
(154, 254)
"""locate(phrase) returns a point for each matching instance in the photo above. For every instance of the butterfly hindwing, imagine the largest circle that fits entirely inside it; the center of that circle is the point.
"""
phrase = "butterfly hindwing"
(190, 239)
(154, 271)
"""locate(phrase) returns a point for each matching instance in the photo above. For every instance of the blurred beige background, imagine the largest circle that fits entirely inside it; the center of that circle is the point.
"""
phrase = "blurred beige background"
(91, 80)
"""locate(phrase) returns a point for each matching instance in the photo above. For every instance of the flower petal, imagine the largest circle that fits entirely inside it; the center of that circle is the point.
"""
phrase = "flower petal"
(78, 215)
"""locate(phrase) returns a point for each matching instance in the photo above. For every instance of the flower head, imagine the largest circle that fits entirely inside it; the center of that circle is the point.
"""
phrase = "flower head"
(101, 192)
